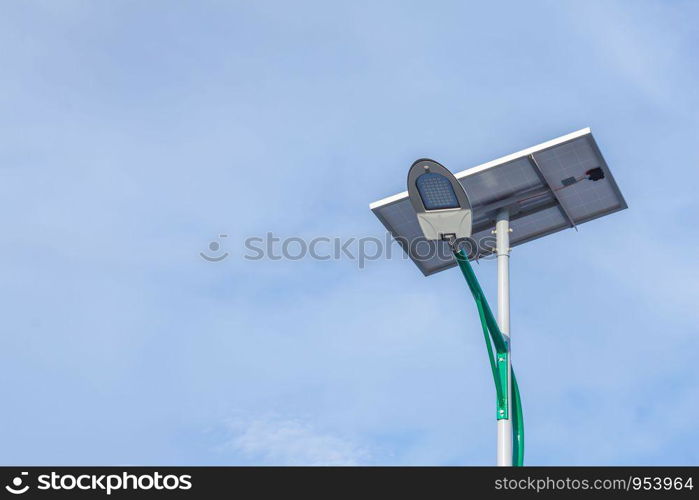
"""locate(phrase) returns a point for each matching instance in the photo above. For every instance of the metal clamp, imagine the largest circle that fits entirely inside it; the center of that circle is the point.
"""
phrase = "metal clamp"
(502, 386)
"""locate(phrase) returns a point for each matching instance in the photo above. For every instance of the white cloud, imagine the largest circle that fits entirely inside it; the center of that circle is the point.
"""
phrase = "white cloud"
(270, 439)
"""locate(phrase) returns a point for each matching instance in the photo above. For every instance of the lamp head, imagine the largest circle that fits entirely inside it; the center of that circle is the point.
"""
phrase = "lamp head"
(440, 201)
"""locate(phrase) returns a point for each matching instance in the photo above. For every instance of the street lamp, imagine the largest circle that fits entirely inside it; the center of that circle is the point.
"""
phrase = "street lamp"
(444, 213)
(519, 198)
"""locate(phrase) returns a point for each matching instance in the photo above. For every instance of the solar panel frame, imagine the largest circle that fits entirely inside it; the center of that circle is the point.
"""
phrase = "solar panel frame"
(503, 182)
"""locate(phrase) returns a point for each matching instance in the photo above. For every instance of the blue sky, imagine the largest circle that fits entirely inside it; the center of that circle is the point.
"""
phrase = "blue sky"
(134, 133)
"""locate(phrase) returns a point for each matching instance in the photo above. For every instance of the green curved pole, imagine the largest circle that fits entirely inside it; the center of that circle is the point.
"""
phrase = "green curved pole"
(517, 425)
(492, 333)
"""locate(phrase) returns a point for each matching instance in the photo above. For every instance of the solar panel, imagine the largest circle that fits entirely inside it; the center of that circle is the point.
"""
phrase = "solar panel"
(546, 188)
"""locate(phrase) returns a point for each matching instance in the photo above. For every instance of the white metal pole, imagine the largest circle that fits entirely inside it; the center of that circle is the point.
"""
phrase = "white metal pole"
(502, 238)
